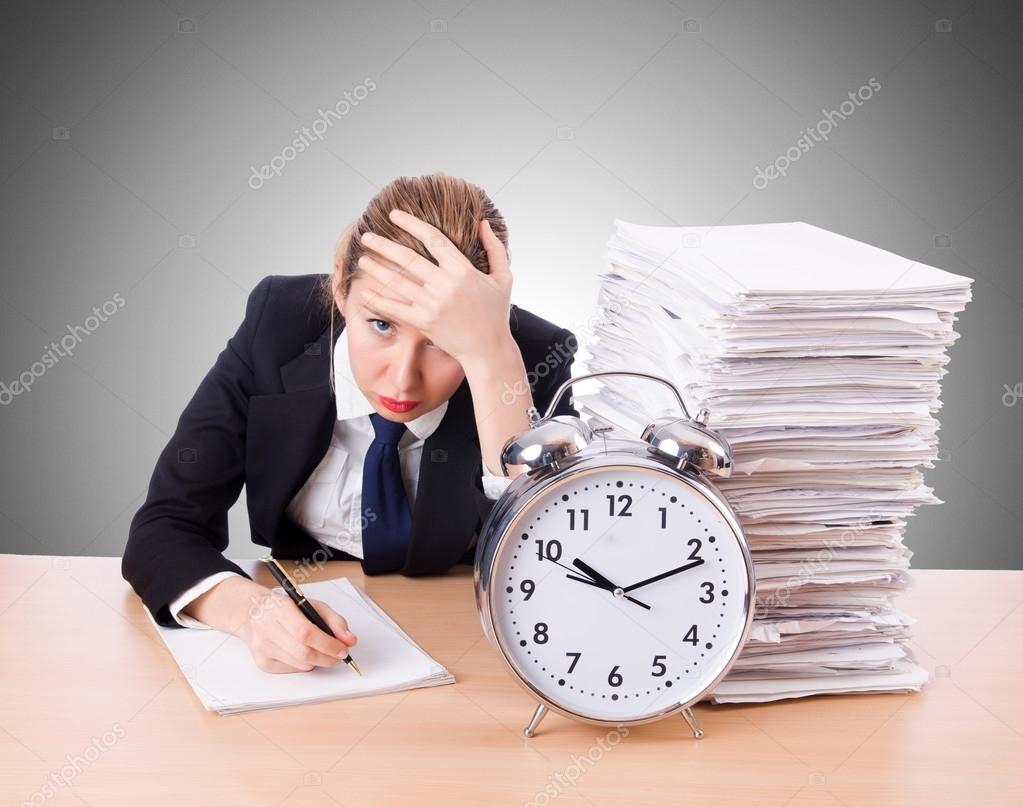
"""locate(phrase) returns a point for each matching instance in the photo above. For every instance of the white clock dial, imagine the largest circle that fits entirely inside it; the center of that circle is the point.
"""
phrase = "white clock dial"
(676, 620)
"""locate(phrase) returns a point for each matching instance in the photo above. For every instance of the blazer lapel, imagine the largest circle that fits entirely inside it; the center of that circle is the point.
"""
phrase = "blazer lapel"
(300, 422)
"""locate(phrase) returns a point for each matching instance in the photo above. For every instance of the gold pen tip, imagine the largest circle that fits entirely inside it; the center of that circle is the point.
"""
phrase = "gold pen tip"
(354, 666)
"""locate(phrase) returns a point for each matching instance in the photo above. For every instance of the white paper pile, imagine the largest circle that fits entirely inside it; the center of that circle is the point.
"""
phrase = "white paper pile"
(819, 358)
(224, 676)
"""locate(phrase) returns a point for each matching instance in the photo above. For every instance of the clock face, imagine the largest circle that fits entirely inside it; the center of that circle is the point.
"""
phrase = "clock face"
(620, 593)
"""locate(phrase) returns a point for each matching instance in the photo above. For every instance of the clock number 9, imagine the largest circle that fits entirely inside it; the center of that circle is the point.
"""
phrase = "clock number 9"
(527, 587)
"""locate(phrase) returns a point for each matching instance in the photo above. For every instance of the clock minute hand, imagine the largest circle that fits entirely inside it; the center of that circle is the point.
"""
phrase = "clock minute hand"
(663, 575)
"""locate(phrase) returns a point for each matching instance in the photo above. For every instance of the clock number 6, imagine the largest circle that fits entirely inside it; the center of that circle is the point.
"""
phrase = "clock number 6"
(614, 678)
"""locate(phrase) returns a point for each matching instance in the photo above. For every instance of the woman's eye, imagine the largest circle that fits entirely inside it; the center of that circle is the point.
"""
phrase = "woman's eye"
(382, 322)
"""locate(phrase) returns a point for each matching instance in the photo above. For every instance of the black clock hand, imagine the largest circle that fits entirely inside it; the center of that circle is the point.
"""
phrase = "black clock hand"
(593, 573)
(606, 588)
(663, 575)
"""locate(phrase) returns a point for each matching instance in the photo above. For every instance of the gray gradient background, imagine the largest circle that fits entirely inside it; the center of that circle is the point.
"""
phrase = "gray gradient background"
(130, 130)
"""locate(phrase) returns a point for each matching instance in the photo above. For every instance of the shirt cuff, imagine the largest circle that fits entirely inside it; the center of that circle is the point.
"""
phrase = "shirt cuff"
(493, 485)
(192, 593)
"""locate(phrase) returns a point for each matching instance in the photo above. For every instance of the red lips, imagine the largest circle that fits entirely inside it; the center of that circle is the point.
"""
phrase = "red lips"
(398, 406)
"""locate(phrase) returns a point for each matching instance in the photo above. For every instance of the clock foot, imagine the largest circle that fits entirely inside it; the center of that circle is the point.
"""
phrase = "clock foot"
(690, 718)
(538, 715)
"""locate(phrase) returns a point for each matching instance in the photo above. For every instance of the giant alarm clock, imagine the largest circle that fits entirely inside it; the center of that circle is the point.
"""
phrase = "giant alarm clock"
(611, 576)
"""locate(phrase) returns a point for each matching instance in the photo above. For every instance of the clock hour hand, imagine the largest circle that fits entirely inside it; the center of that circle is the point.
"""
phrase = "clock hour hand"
(602, 586)
(663, 575)
(593, 573)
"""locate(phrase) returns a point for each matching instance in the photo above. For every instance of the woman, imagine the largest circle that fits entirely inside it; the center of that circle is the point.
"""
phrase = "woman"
(364, 411)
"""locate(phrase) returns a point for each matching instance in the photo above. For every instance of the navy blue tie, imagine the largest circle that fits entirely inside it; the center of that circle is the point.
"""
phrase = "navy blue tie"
(387, 517)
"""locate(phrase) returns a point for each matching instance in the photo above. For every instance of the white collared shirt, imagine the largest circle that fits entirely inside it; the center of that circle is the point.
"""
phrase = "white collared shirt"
(329, 505)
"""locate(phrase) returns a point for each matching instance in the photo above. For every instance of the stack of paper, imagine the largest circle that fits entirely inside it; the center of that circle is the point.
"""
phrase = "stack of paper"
(224, 675)
(820, 360)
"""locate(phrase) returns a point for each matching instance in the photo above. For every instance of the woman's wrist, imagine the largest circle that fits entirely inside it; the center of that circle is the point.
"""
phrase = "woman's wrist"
(229, 605)
(498, 360)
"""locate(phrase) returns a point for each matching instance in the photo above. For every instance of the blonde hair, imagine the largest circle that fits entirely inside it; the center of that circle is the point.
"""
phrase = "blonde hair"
(452, 205)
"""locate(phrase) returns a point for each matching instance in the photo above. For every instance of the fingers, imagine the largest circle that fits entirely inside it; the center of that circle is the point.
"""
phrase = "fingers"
(271, 657)
(306, 642)
(497, 255)
(337, 623)
(408, 259)
(392, 280)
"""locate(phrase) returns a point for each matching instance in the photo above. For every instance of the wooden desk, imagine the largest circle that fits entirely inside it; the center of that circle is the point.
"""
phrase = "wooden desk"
(84, 669)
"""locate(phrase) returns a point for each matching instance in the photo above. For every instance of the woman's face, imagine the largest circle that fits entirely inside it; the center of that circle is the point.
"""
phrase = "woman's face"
(396, 361)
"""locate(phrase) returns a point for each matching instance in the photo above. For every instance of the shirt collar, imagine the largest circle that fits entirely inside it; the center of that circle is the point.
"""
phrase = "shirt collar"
(351, 402)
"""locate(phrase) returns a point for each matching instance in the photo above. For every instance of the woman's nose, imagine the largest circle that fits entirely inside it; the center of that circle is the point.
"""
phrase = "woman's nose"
(405, 372)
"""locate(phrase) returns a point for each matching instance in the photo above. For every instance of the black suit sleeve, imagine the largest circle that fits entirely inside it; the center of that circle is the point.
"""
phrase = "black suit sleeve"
(179, 534)
(559, 357)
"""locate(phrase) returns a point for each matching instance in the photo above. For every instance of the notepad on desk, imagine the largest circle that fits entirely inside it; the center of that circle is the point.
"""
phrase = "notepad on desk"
(223, 674)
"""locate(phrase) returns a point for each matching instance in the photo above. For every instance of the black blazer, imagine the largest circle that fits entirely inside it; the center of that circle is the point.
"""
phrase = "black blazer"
(263, 416)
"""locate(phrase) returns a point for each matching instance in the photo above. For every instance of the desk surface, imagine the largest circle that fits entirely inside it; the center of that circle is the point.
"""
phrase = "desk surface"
(88, 687)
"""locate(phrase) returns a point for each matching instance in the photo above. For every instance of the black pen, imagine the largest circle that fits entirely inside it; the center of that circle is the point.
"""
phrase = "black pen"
(297, 597)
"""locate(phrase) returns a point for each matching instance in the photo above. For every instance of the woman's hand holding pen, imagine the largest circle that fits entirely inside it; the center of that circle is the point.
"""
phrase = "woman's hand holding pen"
(280, 637)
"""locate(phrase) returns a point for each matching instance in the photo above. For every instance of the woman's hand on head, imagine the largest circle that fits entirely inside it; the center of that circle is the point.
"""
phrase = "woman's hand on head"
(461, 310)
